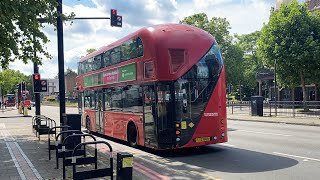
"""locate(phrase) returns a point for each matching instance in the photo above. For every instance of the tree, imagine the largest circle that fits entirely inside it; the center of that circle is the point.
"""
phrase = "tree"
(89, 51)
(292, 40)
(9, 80)
(20, 30)
(251, 62)
(219, 29)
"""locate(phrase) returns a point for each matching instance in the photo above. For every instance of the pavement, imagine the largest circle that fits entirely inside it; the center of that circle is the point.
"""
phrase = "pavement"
(23, 156)
(309, 121)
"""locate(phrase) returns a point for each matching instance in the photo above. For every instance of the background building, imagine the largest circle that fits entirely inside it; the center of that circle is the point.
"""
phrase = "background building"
(313, 5)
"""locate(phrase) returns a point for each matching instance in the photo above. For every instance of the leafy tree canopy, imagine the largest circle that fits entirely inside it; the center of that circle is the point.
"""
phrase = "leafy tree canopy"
(89, 51)
(292, 40)
(251, 61)
(21, 32)
(9, 80)
(219, 29)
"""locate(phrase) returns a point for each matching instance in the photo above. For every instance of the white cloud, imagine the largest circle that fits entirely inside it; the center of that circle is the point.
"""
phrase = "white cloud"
(244, 16)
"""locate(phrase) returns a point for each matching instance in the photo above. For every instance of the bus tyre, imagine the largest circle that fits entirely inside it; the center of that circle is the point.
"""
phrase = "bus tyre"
(88, 124)
(132, 135)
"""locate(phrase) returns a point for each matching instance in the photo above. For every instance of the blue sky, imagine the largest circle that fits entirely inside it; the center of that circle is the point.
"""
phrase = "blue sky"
(245, 16)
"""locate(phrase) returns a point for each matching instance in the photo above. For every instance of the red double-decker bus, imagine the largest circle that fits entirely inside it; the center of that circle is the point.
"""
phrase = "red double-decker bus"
(161, 87)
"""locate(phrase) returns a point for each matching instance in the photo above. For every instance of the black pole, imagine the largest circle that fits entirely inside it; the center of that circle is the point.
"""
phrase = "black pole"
(61, 62)
(36, 95)
(275, 87)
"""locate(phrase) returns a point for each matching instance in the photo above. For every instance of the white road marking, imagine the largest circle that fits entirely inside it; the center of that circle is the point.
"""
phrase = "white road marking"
(15, 161)
(229, 145)
(34, 170)
(258, 132)
(301, 157)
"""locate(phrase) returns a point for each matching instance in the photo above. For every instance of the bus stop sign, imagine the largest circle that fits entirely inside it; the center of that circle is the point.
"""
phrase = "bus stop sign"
(44, 85)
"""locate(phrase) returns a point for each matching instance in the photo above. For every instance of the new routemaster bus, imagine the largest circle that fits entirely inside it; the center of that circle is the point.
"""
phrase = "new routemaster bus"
(161, 87)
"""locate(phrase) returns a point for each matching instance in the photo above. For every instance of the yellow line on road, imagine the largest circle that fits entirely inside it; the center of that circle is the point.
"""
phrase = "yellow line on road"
(204, 175)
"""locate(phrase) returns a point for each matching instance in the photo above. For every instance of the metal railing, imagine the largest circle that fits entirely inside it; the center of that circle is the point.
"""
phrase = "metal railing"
(278, 108)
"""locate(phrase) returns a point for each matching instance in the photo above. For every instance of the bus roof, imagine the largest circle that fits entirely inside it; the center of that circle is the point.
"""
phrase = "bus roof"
(155, 29)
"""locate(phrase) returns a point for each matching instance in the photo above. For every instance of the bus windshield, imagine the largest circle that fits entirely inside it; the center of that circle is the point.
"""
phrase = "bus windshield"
(194, 89)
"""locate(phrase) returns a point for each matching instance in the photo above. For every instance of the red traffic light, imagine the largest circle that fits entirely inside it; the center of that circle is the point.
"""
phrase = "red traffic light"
(36, 77)
(114, 12)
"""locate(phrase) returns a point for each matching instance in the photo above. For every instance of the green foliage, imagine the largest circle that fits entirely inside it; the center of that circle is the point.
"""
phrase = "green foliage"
(70, 72)
(219, 29)
(292, 39)
(251, 61)
(21, 32)
(89, 51)
(10, 78)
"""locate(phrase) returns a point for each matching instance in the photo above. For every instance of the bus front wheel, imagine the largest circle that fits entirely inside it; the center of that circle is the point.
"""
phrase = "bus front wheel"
(132, 135)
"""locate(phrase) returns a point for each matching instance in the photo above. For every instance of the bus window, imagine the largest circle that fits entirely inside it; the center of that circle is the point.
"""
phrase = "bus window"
(106, 59)
(116, 99)
(139, 47)
(115, 55)
(107, 100)
(132, 99)
(97, 62)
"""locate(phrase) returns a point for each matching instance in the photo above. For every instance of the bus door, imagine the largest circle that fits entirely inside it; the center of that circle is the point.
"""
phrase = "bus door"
(99, 110)
(150, 116)
(165, 113)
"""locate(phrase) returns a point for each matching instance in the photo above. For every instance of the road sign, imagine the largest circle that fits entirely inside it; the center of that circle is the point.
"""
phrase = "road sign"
(44, 86)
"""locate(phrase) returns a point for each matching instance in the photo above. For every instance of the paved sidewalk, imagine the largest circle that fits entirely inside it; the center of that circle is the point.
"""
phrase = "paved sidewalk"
(310, 121)
(23, 156)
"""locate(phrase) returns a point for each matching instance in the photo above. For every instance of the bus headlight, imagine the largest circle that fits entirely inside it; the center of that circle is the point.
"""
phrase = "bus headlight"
(222, 134)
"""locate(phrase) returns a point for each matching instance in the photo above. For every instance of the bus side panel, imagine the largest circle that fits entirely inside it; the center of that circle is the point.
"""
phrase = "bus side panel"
(214, 117)
(108, 123)
(92, 116)
(119, 127)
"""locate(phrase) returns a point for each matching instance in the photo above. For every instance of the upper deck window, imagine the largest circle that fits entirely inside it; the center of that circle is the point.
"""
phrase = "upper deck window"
(130, 49)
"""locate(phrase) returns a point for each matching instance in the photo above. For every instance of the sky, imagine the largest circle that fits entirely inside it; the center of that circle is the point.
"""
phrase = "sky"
(244, 16)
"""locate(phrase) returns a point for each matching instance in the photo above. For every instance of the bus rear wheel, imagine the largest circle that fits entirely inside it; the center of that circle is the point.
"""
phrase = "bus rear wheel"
(132, 135)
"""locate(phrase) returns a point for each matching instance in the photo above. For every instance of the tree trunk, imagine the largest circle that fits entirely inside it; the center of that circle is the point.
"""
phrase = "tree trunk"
(315, 92)
(303, 84)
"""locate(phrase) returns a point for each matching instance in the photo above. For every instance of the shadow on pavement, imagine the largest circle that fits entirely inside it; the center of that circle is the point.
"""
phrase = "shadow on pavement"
(228, 159)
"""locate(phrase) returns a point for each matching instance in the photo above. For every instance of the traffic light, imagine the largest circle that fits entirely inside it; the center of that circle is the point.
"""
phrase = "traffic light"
(23, 86)
(36, 83)
(115, 19)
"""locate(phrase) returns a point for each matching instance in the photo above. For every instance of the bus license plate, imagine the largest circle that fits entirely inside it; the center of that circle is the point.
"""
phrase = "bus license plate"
(203, 139)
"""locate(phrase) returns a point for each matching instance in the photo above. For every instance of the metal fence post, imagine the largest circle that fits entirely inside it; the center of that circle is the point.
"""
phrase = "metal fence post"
(293, 110)
(232, 108)
(270, 108)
